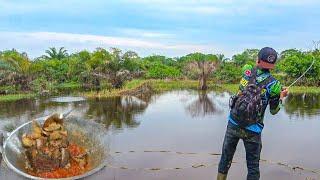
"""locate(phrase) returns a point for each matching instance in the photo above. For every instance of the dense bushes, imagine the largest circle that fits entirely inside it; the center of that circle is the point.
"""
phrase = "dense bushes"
(227, 72)
(101, 68)
(293, 65)
(161, 71)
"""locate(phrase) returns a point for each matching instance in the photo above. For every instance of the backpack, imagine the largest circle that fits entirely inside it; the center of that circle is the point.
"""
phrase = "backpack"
(246, 106)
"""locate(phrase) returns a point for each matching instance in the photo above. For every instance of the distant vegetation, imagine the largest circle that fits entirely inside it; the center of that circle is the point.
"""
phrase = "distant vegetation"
(102, 69)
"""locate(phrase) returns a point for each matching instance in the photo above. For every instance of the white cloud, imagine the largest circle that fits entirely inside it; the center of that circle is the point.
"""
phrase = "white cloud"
(35, 43)
(144, 33)
(166, 7)
(207, 7)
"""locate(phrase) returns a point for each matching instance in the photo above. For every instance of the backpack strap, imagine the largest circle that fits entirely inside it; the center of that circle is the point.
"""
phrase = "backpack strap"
(266, 81)
(263, 83)
(253, 76)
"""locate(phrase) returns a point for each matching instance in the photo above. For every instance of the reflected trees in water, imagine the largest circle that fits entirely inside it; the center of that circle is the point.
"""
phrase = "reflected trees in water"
(202, 106)
(117, 112)
(303, 104)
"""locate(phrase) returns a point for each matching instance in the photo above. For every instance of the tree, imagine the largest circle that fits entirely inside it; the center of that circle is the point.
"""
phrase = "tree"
(129, 55)
(116, 72)
(110, 65)
(221, 58)
(228, 72)
(131, 62)
(15, 69)
(203, 65)
(296, 63)
(289, 52)
(52, 53)
(162, 71)
(249, 56)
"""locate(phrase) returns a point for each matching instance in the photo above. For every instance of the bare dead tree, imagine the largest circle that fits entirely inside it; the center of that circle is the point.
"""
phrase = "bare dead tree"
(203, 68)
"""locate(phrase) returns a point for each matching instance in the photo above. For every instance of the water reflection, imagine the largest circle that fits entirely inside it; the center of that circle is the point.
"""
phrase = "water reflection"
(201, 106)
(117, 112)
(123, 112)
(303, 105)
(165, 122)
(67, 99)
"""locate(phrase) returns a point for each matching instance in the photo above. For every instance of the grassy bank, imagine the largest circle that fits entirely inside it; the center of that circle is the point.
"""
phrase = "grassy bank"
(15, 97)
(158, 86)
(167, 85)
(294, 89)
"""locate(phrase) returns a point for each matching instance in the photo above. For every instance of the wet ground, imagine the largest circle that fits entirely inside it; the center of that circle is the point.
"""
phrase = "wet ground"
(179, 134)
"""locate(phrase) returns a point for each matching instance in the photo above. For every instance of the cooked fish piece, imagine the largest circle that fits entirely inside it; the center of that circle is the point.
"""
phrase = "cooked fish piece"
(55, 118)
(64, 142)
(45, 133)
(55, 135)
(41, 161)
(52, 127)
(35, 135)
(47, 147)
(56, 154)
(64, 133)
(40, 143)
(36, 130)
(27, 141)
(55, 143)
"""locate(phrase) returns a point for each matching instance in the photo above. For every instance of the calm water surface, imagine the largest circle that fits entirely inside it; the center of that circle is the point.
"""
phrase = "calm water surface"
(185, 121)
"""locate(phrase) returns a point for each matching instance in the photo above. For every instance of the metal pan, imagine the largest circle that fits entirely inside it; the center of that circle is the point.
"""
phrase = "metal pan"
(88, 134)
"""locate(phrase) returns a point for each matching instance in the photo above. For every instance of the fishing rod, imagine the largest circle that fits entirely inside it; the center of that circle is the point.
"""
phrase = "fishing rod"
(302, 74)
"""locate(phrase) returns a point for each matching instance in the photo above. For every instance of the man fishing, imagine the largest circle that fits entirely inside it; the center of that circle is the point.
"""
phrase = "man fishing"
(257, 89)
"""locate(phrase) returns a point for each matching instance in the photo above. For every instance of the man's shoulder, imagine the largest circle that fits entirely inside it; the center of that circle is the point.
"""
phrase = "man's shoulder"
(246, 70)
(274, 86)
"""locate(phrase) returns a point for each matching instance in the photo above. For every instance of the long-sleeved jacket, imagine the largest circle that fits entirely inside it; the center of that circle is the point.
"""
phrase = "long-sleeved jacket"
(270, 95)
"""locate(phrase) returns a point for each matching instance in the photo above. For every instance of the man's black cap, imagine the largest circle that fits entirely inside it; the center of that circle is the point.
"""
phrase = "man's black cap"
(267, 57)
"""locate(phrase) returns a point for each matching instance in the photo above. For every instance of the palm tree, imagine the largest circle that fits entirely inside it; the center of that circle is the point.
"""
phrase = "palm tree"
(221, 58)
(15, 69)
(52, 53)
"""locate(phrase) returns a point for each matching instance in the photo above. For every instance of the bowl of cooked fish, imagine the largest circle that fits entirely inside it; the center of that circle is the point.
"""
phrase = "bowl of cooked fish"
(56, 148)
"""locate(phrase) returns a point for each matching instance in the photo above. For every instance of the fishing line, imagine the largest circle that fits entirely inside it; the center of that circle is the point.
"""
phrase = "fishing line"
(302, 74)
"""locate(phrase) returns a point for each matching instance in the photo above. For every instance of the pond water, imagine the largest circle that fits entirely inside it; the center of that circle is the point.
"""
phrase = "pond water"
(183, 122)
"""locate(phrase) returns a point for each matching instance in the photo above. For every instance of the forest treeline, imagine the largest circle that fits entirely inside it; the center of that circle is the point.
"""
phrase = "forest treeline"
(111, 68)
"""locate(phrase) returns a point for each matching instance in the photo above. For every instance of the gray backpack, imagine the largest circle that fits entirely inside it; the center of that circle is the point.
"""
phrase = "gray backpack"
(246, 106)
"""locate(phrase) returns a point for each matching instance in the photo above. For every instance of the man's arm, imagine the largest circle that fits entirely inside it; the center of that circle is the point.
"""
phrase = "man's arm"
(275, 102)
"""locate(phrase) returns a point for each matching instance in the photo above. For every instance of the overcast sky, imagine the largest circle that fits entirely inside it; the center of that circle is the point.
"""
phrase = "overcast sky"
(167, 27)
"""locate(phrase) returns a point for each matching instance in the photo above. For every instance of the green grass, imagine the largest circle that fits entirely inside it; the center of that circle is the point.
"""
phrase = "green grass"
(294, 89)
(158, 86)
(15, 97)
(134, 83)
(168, 85)
(305, 89)
(115, 92)
(68, 86)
